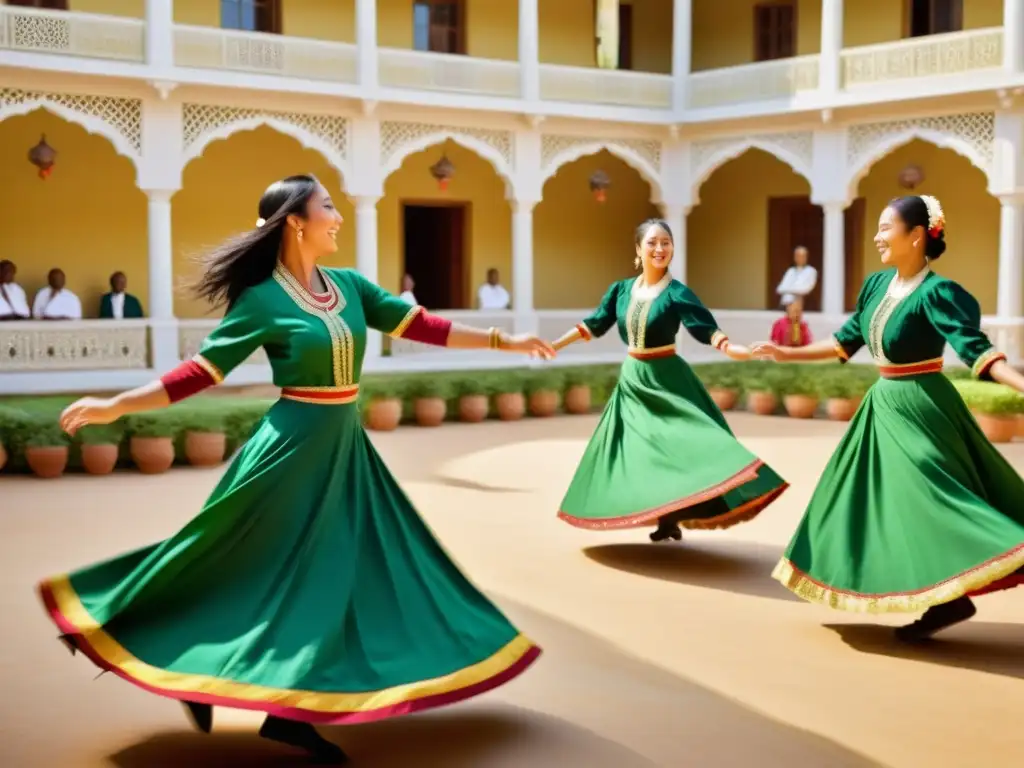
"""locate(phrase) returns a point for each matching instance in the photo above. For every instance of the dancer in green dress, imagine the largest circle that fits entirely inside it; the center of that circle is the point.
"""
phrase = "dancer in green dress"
(663, 453)
(916, 509)
(308, 587)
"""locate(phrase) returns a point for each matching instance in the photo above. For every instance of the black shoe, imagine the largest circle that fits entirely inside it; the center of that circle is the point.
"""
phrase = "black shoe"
(69, 643)
(664, 532)
(304, 736)
(201, 715)
(936, 619)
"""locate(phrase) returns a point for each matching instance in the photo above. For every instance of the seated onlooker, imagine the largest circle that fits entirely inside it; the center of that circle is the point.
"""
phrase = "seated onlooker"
(791, 330)
(492, 295)
(408, 284)
(13, 304)
(55, 302)
(118, 304)
(799, 279)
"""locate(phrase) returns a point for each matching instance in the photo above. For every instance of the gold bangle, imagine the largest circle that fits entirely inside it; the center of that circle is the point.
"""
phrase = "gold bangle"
(493, 338)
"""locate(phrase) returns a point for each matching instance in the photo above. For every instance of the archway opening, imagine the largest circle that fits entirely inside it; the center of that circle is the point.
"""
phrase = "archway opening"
(582, 245)
(220, 196)
(972, 236)
(445, 235)
(754, 211)
(88, 217)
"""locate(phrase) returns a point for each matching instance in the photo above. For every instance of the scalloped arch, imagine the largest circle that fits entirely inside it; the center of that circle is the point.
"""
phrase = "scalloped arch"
(626, 155)
(731, 152)
(889, 144)
(91, 124)
(473, 144)
(301, 135)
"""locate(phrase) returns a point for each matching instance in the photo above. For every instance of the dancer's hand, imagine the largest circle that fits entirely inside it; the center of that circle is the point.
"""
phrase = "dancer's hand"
(766, 350)
(736, 351)
(531, 345)
(89, 410)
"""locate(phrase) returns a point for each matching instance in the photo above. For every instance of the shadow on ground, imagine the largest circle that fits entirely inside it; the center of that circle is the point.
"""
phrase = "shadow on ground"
(730, 566)
(980, 646)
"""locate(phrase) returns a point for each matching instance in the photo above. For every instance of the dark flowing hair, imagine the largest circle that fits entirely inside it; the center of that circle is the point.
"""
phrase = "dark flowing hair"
(914, 212)
(250, 258)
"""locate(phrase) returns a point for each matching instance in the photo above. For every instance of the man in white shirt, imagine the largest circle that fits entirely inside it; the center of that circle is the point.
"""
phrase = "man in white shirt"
(799, 279)
(407, 286)
(13, 304)
(55, 302)
(492, 295)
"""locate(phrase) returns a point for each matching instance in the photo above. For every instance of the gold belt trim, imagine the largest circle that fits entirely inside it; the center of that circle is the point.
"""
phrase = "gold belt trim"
(322, 395)
(653, 352)
(893, 371)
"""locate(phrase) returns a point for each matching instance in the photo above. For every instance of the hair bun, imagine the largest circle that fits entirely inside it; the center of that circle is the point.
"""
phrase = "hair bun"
(935, 245)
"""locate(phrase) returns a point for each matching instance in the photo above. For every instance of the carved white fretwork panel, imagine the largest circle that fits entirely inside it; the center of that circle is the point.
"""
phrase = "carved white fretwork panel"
(398, 140)
(643, 155)
(795, 148)
(204, 123)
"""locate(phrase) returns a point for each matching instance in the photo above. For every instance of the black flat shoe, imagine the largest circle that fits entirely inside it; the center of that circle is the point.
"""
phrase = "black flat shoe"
(69, 643)
(201, 715)
(936, 619)
(667, 532)
(303, 736)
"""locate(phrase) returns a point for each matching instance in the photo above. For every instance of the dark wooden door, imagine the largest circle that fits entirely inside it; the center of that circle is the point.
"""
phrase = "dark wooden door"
(50, 5)
(434, 249)
(792, 222)
(625, 36)
(439, 26)
(934, 17)
(774, 30)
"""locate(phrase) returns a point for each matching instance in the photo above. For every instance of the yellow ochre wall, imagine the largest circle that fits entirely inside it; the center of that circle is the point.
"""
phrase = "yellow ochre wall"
(220, 196)
(88, 217)
(491, 27)
(134, 9)
(580, 246)
(332, 20)
(723, 31)
(866, 22)
(727, 234)
(567, 34)
(489, 237)
(972, 235)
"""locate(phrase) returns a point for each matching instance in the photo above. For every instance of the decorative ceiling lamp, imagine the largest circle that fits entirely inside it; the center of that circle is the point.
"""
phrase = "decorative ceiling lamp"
(911, 177)
(599, 183)
(43, 156)
(442, 170)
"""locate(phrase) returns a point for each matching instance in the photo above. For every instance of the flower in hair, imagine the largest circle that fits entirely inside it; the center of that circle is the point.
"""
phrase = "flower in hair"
(936, 217)
(260, 222)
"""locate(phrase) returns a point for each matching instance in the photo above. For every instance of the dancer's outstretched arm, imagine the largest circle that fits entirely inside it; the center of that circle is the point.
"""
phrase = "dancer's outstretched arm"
(701, 324)
(821, 350)
(596, 325)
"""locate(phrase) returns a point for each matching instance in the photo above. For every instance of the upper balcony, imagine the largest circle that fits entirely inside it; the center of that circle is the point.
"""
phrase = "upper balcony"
(619, 61)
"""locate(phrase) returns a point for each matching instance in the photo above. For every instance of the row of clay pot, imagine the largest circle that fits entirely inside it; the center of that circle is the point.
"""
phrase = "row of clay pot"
(151, 455)
(385, 414)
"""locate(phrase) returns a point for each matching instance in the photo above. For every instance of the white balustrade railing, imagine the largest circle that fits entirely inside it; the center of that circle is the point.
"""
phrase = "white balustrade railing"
(405, 349)
(419, 70)
(763, 81)
(74, 345)
(190, 338)
(591, 85)
(92, 35)
(262, 53)
(954, 53)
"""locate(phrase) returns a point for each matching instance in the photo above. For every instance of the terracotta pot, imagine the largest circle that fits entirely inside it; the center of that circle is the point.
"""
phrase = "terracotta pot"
(383, 414)
(841, 408)
(473, 408)
(762, 403)
(543, 403)
(3, 454)
(1020, 429)
(725, 399)
(99, 459)
(577, 399)
(152, 455)
(800, 406)
(998, 429)
(205, 449)
(510, 406)
(47, 461)
(430, 411)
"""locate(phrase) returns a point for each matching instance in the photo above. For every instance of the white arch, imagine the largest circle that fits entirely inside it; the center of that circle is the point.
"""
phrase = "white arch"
(301, 135)
(732, 151)
(625, 154)
(472, 143)
(891, 143)
(91, 123)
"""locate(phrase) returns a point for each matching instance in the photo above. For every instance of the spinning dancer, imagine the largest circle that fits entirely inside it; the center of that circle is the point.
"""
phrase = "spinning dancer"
(916, 509)
(662, 453)
(308, 587)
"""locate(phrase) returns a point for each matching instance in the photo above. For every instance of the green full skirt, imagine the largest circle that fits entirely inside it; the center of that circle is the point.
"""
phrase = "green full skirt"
(915, 508)
(308, 588)
(662, 449)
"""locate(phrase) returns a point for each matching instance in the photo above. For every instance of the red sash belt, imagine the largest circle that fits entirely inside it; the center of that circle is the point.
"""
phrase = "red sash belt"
(322, 395)
(910, 369)
(653, 352)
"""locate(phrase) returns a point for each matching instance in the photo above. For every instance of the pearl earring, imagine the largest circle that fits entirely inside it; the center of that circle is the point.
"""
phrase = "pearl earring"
(300, 234)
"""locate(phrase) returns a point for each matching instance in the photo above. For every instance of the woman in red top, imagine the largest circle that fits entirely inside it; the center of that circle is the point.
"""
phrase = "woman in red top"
(791, 330)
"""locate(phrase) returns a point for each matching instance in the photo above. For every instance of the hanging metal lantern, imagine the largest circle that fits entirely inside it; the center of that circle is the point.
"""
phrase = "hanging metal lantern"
(599, 183)
(43, 156)
(911, 177)
(443, 170)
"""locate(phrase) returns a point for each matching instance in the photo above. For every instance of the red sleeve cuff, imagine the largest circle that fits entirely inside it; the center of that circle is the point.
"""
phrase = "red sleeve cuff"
(186, 380)
(428, 329)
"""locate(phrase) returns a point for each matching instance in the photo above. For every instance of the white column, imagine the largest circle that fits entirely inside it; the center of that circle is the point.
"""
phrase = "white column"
(1013, 35)
(529, 50)
(1010, 301)
(160, 34)
(682, 13)
(829, 75)
(522, 266)
(163, 325)
(366, 258)
(366, 40)
(675, 216)
(833, 277)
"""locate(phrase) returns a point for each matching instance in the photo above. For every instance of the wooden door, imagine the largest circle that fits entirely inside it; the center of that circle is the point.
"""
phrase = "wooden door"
(774, 30)
(792, 222)
(625, 36)
(933, 17)
(854, 252)
(50, 5)
(439, 26)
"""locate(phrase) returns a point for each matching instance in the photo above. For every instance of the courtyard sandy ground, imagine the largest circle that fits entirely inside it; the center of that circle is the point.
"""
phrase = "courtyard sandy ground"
(672, 655)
